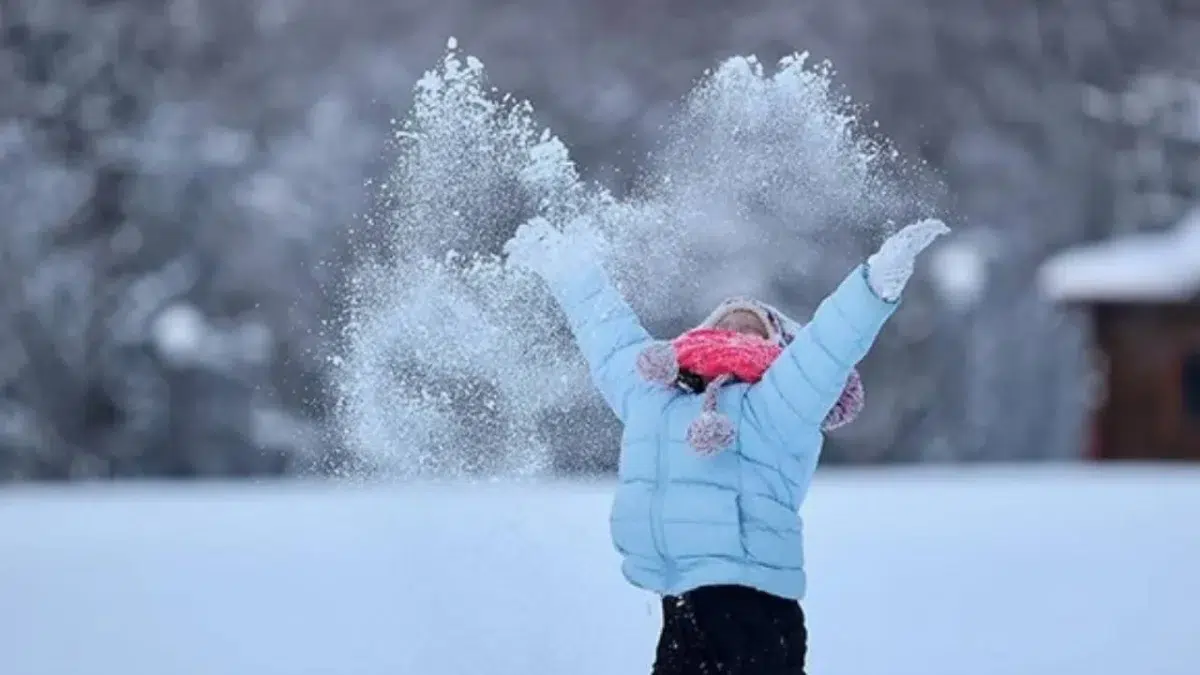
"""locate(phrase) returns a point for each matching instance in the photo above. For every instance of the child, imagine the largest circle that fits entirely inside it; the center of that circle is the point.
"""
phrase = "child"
(722, 431)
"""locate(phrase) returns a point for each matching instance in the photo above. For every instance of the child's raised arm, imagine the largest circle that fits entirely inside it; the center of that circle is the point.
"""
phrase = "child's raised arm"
(605, 327)
(804, 383)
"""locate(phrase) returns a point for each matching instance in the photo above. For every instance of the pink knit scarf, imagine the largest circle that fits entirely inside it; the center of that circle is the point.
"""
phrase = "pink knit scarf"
(718, 357)
(711, 353)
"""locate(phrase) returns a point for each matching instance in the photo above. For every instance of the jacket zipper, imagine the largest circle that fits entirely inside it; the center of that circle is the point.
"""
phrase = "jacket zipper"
(656, 522)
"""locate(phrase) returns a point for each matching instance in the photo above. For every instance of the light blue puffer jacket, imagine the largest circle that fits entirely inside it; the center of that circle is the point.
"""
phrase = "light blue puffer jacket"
(681, 519)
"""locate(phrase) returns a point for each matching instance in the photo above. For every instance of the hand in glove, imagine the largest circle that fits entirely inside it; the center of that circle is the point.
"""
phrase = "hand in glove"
(551, 254)
(889, 268)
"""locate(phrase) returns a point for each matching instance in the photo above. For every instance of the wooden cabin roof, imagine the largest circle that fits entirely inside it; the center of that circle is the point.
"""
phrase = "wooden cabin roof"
(1144, 267)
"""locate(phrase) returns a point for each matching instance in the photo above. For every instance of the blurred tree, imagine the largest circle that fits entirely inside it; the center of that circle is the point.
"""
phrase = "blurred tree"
(164, 235)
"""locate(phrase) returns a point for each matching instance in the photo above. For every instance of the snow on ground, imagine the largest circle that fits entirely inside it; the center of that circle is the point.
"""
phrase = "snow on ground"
(926, 572)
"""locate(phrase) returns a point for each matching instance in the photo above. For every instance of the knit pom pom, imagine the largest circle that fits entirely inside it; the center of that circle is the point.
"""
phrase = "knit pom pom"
(848, 405)
(711, 432)
(658, 363)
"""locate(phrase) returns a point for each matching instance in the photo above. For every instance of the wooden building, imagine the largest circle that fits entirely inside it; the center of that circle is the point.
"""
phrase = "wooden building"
(1142, 292)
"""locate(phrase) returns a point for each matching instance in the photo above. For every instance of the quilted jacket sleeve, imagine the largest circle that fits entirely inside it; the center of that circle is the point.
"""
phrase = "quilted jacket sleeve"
(607, 331)
(804, 383)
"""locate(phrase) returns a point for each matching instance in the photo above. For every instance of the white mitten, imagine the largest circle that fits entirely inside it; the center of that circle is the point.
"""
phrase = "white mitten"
(548, 252)
(532, 245)
(889, 268)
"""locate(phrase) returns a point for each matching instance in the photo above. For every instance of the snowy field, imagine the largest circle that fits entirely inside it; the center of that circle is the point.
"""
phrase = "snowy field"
(934, 572)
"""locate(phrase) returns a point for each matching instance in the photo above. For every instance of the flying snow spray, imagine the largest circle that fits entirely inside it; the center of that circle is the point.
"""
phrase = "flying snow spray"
(454, 364)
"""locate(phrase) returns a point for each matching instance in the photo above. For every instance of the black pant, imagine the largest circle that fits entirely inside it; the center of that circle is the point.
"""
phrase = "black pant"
(731, 630)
